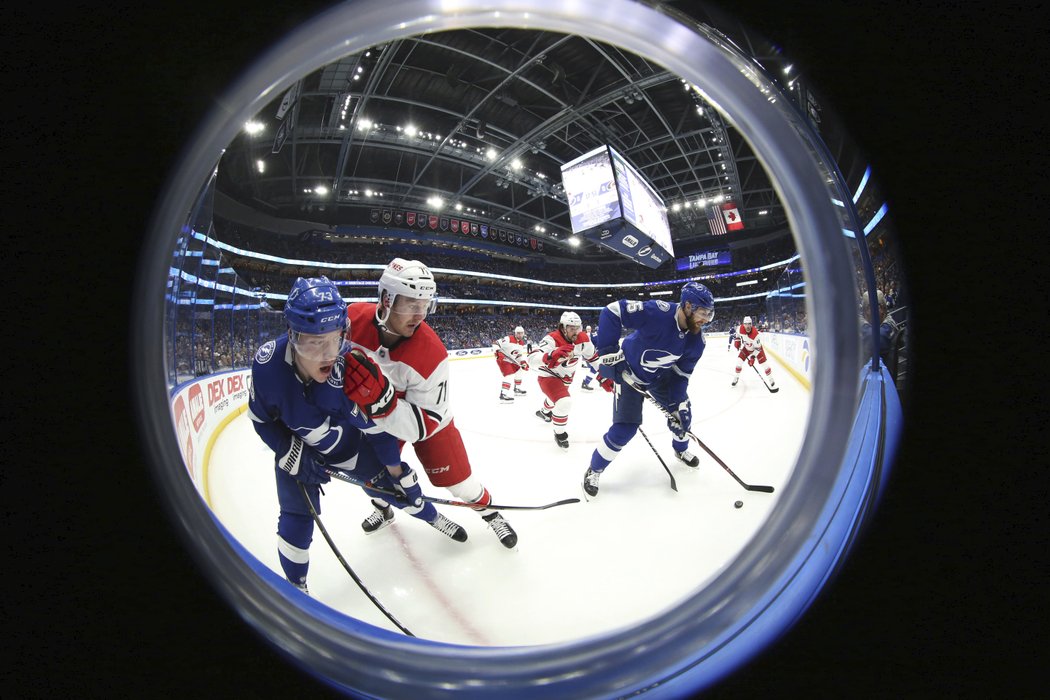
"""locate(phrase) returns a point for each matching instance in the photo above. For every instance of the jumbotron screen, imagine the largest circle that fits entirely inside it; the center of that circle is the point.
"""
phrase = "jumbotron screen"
(591, 190)
(610, 204)
(641, 205)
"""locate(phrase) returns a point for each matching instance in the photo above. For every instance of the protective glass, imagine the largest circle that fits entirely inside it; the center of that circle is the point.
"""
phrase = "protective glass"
(413, 307)
(318, 348)
(704, 315)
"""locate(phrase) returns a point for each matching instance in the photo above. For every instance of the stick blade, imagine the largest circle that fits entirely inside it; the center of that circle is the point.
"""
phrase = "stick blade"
(763, 489)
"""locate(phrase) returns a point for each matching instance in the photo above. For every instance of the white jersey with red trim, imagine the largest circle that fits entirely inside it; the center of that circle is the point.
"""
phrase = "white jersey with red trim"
(511, 349)
(416, 366)
(583, 349)
(747, 339)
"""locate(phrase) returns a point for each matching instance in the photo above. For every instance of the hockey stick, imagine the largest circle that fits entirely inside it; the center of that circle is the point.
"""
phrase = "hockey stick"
(770, 389)
(335, 550)
(343, 476)
(749, 487)
(674, 486)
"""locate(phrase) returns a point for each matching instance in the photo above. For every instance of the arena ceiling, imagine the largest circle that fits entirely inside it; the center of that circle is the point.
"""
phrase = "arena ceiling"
(484, 119)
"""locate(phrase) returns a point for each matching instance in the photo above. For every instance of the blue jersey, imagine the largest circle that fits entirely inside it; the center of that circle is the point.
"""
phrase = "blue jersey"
(658, 351)
(281, 403)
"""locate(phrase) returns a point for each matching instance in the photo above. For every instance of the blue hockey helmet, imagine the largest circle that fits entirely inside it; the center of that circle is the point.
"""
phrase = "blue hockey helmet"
(315, 307)
(700, 297)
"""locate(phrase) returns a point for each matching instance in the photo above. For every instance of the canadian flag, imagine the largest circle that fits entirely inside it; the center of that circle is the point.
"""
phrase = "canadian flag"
(732, 216)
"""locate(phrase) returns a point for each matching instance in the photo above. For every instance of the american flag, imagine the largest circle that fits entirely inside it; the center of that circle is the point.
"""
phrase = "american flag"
(715, 220)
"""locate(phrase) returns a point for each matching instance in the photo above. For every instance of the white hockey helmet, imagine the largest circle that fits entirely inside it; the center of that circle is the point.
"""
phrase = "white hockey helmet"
(571, 318)
(519, 331)
(405, 278)
(747, 320)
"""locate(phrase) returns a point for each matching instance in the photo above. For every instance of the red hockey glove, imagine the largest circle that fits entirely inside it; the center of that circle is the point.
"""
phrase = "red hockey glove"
(607, 384)
(555, 356)
(365, 385)
(524, 365)
(751, 360)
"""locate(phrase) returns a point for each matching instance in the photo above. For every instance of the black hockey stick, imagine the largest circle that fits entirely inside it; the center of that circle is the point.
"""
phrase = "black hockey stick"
(343, 476)
(770, 389)
(674, 486)
(749, 487)
(339, 556)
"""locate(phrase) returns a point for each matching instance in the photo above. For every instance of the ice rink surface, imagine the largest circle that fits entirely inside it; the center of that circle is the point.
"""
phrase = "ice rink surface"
(578, 569)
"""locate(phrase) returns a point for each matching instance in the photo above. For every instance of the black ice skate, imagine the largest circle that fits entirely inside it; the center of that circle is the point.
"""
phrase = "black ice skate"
(301, 586)
(688, 457)
(447, 527)
(562, 439)
(507, 537)
(590, 482)
(735, 380)
(504, 399)
(380, 518)
(544, 415)
(520, 392)
(587, 387)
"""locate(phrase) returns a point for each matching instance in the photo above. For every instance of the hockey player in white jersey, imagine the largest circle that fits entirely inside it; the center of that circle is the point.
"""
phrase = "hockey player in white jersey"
(657, 358)
(397, 372)
(298, 408)
(511, 357)
(751, 350)
(555, 358)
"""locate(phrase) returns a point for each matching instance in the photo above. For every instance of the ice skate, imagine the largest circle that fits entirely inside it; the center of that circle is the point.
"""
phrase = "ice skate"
(562, 439)
(587, 387)
(688, 457)
(380, 518)
(735, 380)
(544, 415)
(301, 586)
(447, 527)
(590, 482)
(519, 392)
(504, 399)
(507, 537)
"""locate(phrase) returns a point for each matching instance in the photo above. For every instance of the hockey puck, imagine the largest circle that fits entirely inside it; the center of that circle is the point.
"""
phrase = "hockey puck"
(738, 504)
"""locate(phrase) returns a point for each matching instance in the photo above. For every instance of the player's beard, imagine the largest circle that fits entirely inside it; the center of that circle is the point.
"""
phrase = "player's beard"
(692, 324)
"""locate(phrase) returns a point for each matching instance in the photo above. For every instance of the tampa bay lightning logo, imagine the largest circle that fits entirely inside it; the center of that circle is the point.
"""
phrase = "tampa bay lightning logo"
(338, 369)
(663, 305)
(654, 360)
(263, 355)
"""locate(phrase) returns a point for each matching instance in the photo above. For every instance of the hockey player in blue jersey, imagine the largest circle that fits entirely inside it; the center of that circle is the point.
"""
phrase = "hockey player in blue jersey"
(657, 358)
(298, 408)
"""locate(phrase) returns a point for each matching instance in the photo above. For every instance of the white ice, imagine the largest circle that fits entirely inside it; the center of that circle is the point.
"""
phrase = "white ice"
(579, 569)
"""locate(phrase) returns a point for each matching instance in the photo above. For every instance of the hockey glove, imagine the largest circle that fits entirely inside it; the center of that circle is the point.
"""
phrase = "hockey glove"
(523, 365)
(751, 360)
(610, 356)
(555, 356)
(680, 419)
(365, 385)
(607, 384)
(304, 463)
(408, 489)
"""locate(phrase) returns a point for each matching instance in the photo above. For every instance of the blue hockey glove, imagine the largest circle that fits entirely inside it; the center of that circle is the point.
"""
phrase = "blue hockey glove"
(609, 356)
(681, 419)
(304, 463)
(407, 487)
